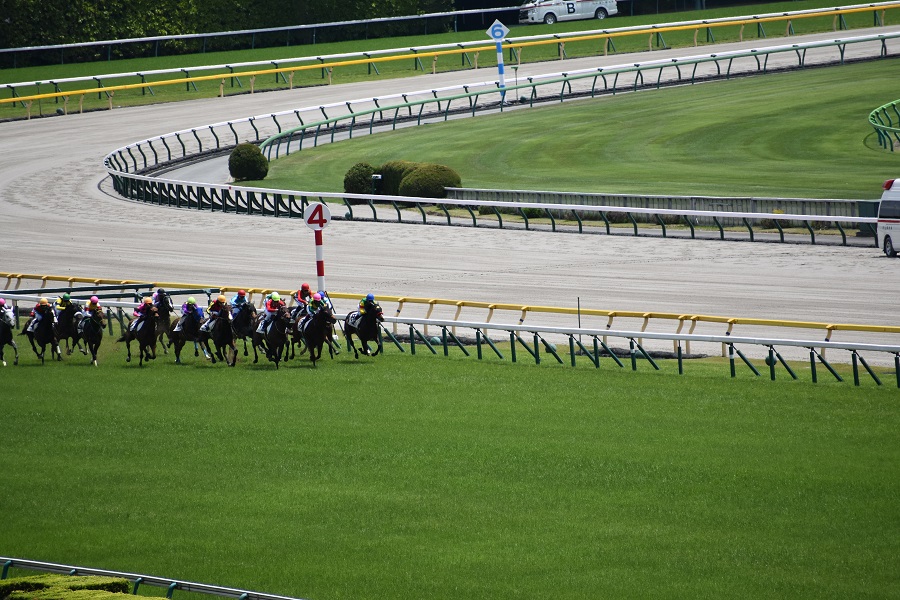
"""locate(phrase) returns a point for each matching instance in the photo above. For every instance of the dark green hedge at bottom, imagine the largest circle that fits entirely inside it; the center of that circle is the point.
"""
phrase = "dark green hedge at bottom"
(52, 586)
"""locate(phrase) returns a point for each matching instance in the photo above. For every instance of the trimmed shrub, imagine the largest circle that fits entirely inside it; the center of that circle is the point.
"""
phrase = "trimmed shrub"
(247, 162)
(60, 593)
(38, 586)
(429, 181)
(358, 180)
(392, 173)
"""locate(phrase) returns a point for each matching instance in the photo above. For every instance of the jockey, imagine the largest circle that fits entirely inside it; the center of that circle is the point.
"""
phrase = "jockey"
(273, 304)
(140, 313)
(315, 305)
(239, 300)
(189, 310)
(62, 303)
(41, 310)
(159, 298)
(370, 298)
(326, 299)
(303, 294)
(6, 313)
(92, 305)
(215, 311)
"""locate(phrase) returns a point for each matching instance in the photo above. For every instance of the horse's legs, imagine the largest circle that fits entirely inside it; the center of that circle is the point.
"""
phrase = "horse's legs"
(128, 348)
(33, 347)
(245, 346)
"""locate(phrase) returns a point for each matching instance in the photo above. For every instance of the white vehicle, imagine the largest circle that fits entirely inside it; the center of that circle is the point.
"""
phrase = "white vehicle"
(551, 11)
(889, 218)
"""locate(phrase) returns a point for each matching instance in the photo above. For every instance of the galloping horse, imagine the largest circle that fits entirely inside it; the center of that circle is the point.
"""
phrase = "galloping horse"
(166, 308)
(91, 331)
(244, 323)
(6, 338)
(317, 331)
(44, 334)
(222, 336)
(364, 326)
(190, 332)
(65, 326)
(145, 336)
(274, 340)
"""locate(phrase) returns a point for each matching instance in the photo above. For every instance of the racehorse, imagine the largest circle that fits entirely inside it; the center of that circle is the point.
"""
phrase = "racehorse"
(166, 308)
(145, 336)
(6, 338)
(44, 334)
(190, 332)
(273, 341)
(364, 326)
(317, 331)
(244, 323)
(65, 326)
(222, 336)
(90, 330)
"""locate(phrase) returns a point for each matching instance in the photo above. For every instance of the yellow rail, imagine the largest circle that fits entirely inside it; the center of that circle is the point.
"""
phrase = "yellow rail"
(649, 30)
(14, 282)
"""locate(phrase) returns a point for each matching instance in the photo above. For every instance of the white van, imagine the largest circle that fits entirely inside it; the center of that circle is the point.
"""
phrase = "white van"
(889, 218)
(551, 11)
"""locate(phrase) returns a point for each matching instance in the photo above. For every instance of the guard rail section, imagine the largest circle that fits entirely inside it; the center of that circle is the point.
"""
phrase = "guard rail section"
(598, 338)
(886, 121)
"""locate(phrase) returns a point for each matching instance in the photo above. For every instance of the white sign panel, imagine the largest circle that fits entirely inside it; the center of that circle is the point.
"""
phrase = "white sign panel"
(317, 216)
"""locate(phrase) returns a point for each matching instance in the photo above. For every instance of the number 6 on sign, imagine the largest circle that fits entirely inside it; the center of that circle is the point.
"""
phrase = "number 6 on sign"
(317, 216)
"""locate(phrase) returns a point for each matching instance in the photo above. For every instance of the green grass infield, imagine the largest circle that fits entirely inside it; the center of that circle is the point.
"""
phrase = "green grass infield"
(436, 477)
(801, 134)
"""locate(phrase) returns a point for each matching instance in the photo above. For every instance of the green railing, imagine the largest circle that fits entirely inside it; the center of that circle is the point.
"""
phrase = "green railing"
(886, 121)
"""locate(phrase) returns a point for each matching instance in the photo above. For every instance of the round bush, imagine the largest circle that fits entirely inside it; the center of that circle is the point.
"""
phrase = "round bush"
(247, 162)
(392, 173)
(358, 179)
(429, 181)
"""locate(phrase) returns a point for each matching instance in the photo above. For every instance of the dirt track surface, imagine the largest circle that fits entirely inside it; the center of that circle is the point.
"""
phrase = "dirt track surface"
(54, 219)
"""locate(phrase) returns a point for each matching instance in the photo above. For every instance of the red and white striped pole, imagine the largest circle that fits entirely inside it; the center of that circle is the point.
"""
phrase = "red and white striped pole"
(317, 216)
(320, 261)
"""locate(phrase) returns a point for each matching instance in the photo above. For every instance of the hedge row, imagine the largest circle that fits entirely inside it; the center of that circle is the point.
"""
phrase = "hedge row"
(63, 587)
(401, 178)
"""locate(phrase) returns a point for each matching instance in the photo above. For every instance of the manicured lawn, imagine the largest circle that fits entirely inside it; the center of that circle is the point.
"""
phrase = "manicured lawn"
(413, 477)
(810, 138)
